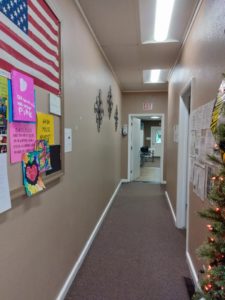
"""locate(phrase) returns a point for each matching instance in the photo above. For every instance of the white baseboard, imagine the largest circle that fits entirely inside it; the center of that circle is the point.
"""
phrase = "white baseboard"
(76, 267)
(125, 180)
(171, 207)
(193, 272)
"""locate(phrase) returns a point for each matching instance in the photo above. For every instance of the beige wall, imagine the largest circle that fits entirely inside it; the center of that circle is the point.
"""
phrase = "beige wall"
(132, 103)
(202, 58)
(41, 237)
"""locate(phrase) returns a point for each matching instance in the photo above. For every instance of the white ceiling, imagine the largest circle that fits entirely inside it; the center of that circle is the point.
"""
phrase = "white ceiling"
(120, 27)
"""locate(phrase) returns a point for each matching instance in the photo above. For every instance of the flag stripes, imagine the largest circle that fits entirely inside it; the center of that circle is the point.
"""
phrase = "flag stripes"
(36, 52)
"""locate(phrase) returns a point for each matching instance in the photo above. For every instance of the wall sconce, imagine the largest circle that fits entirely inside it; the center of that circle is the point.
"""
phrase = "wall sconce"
(98, 109)
(116, 118)
(110, 102)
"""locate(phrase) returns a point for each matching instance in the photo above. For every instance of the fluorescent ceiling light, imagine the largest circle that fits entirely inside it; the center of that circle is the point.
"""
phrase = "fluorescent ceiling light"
(154, 77)
(164, 9)
(155, 117)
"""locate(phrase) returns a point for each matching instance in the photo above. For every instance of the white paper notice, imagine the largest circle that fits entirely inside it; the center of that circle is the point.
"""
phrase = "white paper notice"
(5, 201)
(199, 181)
(55, 104)
(68, 139)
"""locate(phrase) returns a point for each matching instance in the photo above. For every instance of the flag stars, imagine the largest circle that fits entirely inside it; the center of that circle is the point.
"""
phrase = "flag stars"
(18, 10)
(8, 6)
(11, 17)
(15, 13)
(4, 10)
(18, 23)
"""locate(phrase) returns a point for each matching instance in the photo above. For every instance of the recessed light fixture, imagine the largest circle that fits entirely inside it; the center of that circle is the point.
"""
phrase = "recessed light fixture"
(163, 15)
(154, 77)
(155, 118)
(151, 76)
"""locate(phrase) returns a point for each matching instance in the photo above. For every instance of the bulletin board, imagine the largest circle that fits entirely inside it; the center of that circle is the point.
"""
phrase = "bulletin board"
(14, 170)
(205, 145)
(41, 87)
(201, 145)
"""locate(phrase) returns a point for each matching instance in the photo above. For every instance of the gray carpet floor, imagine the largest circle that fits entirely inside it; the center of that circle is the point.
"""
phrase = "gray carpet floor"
(138, 253)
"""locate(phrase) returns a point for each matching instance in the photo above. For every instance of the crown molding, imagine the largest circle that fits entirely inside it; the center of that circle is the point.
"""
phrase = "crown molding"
(144, 91)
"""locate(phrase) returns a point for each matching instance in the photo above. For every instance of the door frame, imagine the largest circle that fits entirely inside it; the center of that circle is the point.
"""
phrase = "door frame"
(130, 116)
(132, 177)
(182, 203)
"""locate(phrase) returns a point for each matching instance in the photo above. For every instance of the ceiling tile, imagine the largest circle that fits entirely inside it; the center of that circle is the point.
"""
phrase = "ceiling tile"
(158, 56)
(114, 22)
(123, 56)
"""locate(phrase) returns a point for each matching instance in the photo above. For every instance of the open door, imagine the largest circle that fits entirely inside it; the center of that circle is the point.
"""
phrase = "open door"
(135, 148)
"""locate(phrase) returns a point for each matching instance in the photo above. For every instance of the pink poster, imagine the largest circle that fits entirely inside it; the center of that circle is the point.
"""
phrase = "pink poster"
(22, 139)
(24, 109)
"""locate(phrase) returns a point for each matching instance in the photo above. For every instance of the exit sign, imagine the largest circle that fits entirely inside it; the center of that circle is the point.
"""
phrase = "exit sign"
(147, 106)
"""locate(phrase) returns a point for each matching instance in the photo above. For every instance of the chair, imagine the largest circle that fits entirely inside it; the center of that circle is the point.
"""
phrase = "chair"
(146, 154)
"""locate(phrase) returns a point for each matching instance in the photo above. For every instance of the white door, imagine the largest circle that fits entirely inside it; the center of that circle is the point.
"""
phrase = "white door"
(141, 137)
(156, 140)
(135, 148)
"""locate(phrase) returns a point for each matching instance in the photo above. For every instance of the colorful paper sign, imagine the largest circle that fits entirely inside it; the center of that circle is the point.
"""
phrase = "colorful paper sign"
(43, 149)
(31, 174)
(3, 113)
(22, 139)
(23, 101)
(45, 127)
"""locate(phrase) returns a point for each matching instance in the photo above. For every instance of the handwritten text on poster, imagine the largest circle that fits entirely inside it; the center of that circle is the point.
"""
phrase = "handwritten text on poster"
(45, 127)
(22, 139)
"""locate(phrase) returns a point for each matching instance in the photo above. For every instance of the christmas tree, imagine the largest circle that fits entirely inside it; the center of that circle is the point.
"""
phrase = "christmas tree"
(213, 250)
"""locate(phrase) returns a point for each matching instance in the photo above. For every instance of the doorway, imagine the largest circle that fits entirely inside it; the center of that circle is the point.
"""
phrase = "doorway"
(146, 148)
(183, 159)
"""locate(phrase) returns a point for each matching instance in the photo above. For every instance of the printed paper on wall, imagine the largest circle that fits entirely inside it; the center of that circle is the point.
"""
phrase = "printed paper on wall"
(3, 113)
(43, 149)
(22, 139)
(23, 100)
(31, 173)
(45, 127)
(5, 201)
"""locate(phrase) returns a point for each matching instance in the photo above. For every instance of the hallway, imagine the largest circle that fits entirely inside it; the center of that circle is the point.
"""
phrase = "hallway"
(138, 253)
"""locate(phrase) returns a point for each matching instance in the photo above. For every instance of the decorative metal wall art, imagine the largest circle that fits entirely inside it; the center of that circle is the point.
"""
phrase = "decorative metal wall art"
(116, 118)
(110, 102)
(98, 109)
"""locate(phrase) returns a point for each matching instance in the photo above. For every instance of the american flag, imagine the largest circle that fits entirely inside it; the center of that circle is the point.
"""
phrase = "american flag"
(29, 41)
